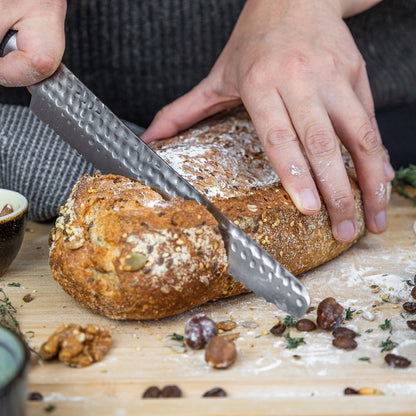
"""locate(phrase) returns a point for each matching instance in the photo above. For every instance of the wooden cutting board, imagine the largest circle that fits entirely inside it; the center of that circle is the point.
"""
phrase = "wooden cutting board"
(267, 378)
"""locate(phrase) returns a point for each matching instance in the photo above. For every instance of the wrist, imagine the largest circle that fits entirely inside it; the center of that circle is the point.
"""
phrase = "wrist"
(350, 8)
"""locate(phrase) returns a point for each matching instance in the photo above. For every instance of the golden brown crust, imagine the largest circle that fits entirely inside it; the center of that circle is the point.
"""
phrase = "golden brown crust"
(123, 251)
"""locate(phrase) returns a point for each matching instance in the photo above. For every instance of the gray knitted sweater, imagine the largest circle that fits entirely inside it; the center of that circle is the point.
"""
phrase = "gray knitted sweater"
(139, 55)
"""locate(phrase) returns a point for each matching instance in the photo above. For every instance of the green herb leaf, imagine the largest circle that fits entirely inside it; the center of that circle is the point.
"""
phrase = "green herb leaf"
(293, 342)
(289, 321)
(177, 337)
(349, 313)
(386, 325)
(369, 330)
(365, 359)
(15, 284)
(388, 345)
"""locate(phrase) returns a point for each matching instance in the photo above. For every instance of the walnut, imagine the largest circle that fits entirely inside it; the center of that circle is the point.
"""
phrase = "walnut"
(77, 346)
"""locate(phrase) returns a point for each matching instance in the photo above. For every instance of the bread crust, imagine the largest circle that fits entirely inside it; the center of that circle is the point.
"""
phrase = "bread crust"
(123, 251)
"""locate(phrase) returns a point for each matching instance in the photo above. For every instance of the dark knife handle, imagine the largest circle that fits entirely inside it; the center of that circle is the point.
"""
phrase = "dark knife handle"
(8, 44)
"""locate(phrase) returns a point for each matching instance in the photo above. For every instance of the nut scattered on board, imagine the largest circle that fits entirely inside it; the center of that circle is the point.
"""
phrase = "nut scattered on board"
(278, 329)
(77, 346)
(215, 392)
(365, 391)
(410, 307)
(411, 325)
(343, 331)
(397, 361)
(199, 330)
(344, 342)
(305, 325)
(227, 325)
(330, 314)
(169, 391)
(220, 352)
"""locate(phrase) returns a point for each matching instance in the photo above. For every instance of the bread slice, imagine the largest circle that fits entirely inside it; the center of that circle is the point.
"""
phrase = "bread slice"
(124, 251)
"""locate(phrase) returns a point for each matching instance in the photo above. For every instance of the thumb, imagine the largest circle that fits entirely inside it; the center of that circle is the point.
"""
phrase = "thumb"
(201, 102)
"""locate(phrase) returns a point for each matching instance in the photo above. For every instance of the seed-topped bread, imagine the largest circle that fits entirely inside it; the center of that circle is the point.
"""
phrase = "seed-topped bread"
(122, 250)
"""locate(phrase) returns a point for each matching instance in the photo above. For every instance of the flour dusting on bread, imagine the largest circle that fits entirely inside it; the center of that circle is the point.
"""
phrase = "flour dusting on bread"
(124, 251)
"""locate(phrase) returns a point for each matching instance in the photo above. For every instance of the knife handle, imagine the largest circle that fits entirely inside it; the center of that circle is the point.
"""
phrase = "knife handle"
(8, 44)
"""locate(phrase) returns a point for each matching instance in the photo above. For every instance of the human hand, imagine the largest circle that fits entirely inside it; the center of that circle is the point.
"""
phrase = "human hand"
(40, 40)
(297, 70)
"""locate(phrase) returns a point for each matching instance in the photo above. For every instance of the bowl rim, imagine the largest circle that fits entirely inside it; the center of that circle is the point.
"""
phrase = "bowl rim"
(16, 213)
(21, 367)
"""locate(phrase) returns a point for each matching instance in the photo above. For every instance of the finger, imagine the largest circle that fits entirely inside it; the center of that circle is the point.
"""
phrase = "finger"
(363, 92)
(316, 132)
(281, 145)
(362, 139)
(39, 54)
(201, 102)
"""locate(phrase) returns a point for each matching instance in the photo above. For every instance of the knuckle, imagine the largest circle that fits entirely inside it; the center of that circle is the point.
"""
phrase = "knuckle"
(280, 137)
(319, 141)
(342, 200)
(44, 64)
(368, 140)
(297, 63)
(255, 76)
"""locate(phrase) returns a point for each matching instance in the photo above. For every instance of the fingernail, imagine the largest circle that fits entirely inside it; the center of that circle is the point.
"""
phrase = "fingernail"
(309, 200)
(381, 220)
(388, 170)
(346, 230)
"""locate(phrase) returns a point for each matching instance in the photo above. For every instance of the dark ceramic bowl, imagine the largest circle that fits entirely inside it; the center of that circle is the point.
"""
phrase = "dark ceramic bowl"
(14, 358)
(12, 227)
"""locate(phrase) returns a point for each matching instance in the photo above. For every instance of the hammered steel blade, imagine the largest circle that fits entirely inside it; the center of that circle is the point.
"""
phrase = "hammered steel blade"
(82, 120)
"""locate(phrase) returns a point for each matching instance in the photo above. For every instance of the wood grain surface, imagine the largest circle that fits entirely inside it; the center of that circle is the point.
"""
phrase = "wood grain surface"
(267, 378)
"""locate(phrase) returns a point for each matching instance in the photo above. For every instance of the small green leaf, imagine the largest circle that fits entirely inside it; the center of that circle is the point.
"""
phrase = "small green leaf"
(289, 321)
(293, 342)
(388, 345)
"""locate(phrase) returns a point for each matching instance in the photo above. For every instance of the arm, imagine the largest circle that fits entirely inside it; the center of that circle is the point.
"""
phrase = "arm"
(297, 70)
(40, 39)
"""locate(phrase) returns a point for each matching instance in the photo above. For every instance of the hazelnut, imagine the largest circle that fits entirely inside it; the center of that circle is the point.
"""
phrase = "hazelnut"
(220, 352)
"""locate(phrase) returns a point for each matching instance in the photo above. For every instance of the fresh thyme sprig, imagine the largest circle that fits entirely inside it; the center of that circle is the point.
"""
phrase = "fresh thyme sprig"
(289, 321)
(8, 318)
(388, 345)
(7, 314)
(293, 342)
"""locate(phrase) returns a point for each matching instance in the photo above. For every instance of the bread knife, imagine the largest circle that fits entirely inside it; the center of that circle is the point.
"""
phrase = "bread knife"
(82, 120)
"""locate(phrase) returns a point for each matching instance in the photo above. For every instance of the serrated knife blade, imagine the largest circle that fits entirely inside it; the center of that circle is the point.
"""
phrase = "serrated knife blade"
(81, 119)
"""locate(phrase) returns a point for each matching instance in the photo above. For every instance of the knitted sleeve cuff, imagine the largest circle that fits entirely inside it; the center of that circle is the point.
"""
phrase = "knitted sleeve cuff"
(36, 162)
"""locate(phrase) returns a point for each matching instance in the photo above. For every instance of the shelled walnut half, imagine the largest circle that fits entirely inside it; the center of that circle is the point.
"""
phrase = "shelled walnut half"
(77, 346)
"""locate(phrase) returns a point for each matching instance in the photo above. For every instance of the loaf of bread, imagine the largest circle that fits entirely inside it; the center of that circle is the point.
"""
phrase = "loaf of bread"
(123, 250)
